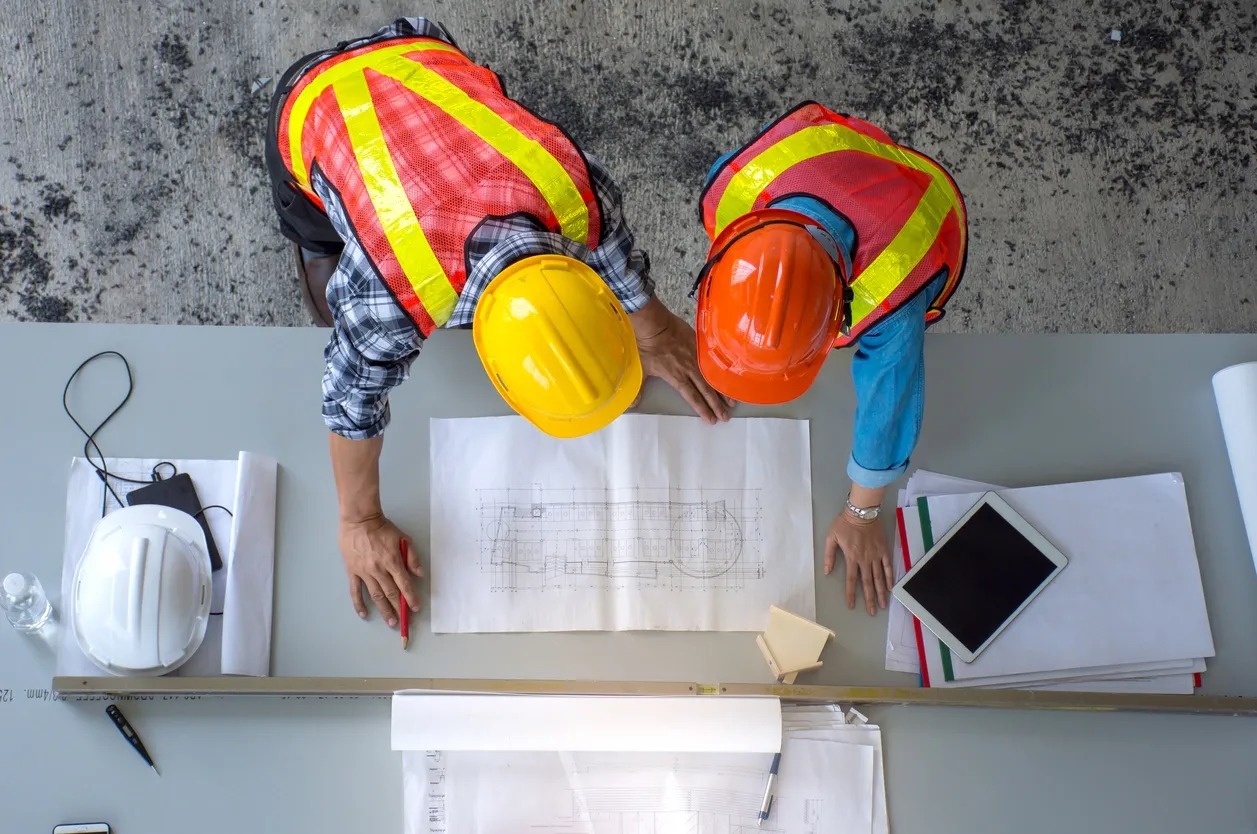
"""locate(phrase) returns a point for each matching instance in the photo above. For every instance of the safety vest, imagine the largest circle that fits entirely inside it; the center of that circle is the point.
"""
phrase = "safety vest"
(908, 215)
(421, 145)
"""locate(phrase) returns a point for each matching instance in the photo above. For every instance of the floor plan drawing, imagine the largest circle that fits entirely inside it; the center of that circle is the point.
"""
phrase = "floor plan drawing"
(592, 793)
(654, 523)
(676, 539)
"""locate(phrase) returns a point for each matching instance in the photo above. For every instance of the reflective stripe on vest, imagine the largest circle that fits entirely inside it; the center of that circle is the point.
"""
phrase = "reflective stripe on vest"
(880, 278)
(384, 185)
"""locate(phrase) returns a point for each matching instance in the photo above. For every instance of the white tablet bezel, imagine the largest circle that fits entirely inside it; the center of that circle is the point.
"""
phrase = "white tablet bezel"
(1023, 527)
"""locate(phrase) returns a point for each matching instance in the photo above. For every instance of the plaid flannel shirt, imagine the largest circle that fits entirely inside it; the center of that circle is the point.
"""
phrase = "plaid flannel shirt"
(374, 341)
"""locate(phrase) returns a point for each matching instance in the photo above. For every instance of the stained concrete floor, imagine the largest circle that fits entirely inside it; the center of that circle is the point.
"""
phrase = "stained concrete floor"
(1111, 186)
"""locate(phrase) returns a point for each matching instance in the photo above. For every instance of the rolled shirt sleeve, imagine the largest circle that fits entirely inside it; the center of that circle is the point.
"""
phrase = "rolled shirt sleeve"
(888, 371)
(369, 354)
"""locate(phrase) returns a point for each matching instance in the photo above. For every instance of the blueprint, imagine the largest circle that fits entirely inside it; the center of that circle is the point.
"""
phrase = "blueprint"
(504, 764)
(637, 793)
(680, 539)
(652, 523)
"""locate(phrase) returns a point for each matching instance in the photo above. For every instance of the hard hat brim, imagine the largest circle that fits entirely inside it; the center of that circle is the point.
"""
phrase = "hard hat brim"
(588, 424)
(753, 387)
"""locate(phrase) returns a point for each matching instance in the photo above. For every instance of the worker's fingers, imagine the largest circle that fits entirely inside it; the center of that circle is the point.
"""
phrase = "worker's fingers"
(712, 397)
(355, 596)
(870, 590)
(685, 387)
(412, 560)
(381, 599)
(889, 570)
(879, 581)
(393, 590)
(852, 571)
(407, 588)
(831, 553)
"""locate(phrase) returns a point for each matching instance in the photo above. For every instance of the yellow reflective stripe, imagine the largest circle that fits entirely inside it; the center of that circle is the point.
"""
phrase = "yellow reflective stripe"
(880, 278)
(747, 184)
(354, 66)
(545, 172)
(392, 204)
(909, 246)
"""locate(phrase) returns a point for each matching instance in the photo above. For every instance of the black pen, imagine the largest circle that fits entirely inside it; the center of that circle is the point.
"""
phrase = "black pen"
(128, 732)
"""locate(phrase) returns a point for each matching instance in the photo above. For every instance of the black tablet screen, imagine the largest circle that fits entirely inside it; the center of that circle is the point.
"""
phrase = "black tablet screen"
(980, 577)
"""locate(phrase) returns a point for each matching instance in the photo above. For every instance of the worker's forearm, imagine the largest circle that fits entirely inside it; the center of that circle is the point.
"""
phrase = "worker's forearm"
(356, 466)
(864, 497)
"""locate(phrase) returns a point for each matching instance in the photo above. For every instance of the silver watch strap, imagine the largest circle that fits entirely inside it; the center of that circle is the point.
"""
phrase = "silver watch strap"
(863, 513)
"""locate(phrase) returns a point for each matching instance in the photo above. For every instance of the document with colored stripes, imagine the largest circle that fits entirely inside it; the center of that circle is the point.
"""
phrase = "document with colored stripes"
(1133, 582)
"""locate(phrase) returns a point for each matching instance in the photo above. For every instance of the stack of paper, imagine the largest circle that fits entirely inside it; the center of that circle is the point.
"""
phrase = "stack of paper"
(1126, 615)
(568, 764)
(826, 754)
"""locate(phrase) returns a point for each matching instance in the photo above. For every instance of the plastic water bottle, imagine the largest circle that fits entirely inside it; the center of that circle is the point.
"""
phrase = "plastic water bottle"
(24, 602)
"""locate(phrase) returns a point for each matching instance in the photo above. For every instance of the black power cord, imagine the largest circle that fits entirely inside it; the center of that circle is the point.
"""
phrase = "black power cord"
(90, 445)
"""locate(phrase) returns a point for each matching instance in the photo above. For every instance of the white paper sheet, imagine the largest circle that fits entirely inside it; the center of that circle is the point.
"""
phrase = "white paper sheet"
(1235, 389)
(824, 724)
(830, 782)
(592, 793)
(250, 594)
(652, 523)
(433, 721)
(1132, 579)
(239, 641)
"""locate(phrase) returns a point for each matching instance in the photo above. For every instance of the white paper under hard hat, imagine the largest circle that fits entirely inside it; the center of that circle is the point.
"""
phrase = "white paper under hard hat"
(141, 593)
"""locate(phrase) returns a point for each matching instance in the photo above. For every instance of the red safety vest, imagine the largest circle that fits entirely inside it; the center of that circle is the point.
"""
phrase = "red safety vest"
(422, 145)
(908, 214)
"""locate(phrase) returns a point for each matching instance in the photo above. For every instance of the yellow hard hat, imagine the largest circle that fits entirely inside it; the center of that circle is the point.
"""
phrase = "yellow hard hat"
(557, 345)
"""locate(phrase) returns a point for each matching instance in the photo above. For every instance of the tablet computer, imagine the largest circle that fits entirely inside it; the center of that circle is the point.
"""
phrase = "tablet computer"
(979, 576)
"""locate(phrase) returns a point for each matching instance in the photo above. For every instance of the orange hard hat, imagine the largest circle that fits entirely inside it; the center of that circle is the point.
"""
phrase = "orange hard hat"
(770, 305)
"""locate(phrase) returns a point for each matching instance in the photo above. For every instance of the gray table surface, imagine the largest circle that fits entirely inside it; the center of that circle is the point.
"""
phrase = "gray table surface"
(1016, 410)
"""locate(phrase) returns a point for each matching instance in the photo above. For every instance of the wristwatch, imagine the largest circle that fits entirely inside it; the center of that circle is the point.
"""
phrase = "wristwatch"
(863, 513)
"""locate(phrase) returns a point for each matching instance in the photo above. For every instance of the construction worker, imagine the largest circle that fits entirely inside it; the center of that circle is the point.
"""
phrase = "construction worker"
(826, 233)
(419, 196)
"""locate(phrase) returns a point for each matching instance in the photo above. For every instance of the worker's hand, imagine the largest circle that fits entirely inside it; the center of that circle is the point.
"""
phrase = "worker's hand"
(867, 553)
(372, 552)
(669, 350)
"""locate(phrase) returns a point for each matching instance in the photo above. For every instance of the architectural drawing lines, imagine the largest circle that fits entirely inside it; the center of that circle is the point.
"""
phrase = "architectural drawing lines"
(543, 538)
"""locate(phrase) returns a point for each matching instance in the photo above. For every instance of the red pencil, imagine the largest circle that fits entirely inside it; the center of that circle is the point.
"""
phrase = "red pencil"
(404, 614)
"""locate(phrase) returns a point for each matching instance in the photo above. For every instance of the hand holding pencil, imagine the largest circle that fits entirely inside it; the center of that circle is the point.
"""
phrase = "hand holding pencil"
(377, 575)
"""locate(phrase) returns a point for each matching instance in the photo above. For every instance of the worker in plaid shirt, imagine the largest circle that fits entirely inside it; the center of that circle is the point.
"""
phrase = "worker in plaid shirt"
(419, 196)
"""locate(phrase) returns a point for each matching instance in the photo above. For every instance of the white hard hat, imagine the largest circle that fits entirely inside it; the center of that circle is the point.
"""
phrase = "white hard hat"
(142, 591)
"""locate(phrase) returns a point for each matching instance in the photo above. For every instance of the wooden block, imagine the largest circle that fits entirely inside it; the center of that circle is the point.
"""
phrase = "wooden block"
(790, 678)
(791, 644)
(768, 657)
